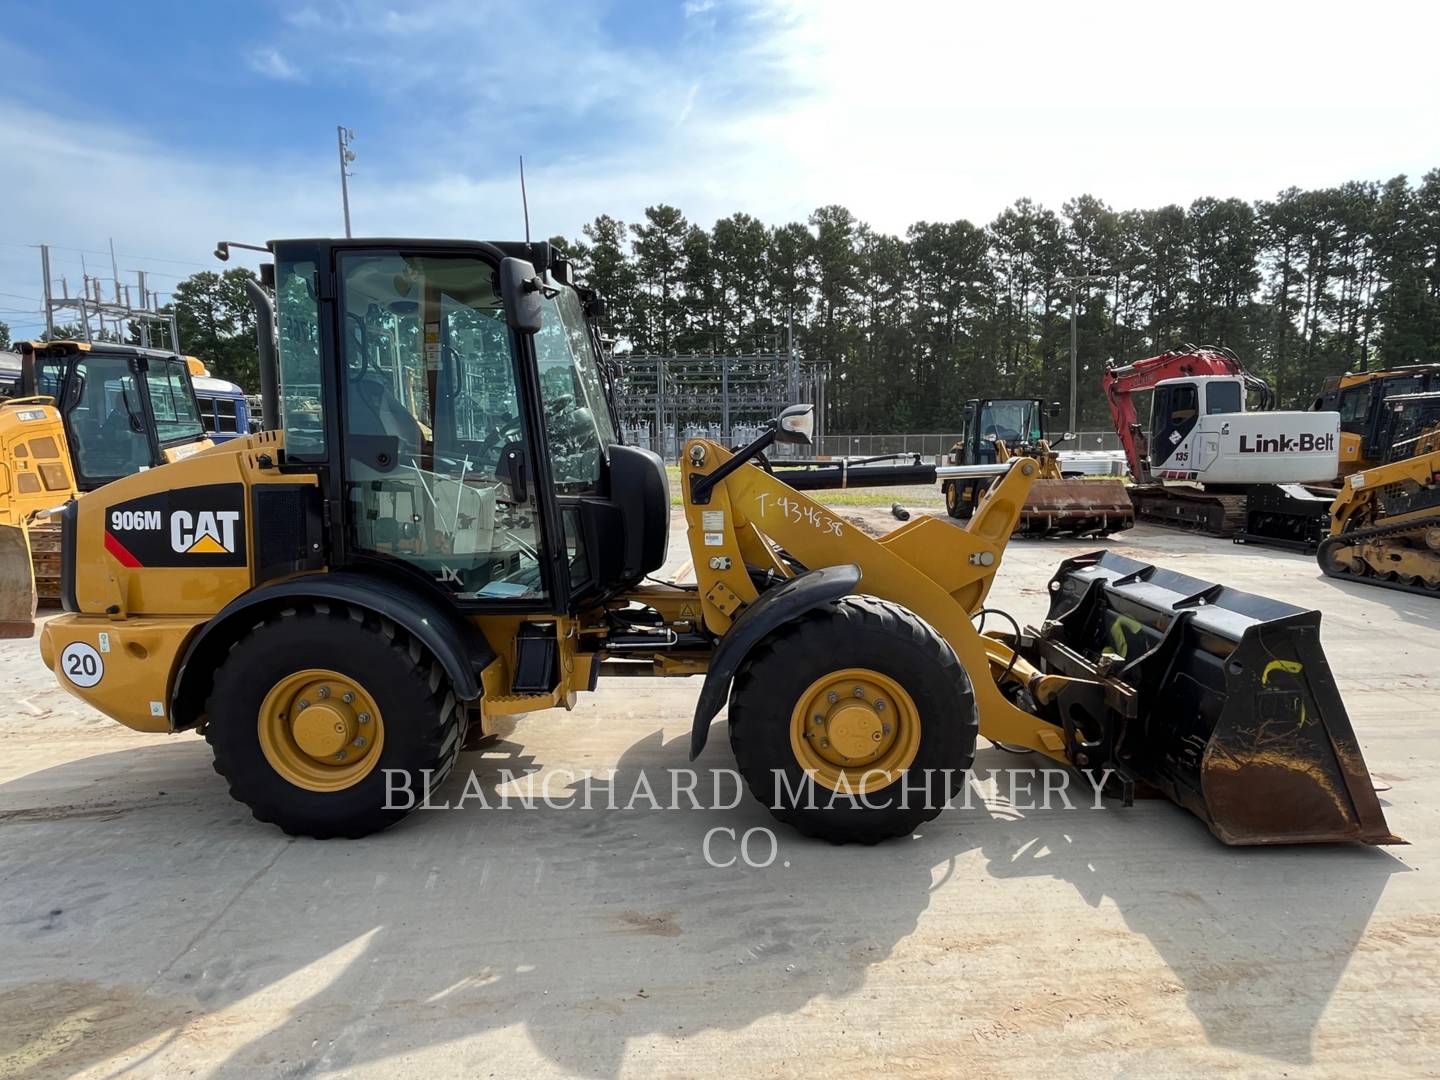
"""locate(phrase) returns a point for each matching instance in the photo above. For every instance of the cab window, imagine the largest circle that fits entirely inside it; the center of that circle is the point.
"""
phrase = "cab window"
(578, 428)
(176, 417)
(1222, 397)
(297, 316)
(438, 456)
(105, 417)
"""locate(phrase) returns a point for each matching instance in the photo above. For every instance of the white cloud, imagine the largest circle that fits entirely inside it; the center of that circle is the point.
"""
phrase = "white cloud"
(773, 107)
(272, 64)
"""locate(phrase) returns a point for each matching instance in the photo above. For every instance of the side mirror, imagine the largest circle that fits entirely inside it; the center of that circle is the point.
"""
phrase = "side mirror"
(521, 291)
(1054, 408)
(796, 424)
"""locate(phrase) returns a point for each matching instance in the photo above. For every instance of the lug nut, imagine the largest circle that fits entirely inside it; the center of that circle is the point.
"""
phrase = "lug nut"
(340, 756)
(859, 692)
(324, 691)
(832, 697)
(359, 742)
(819, 719)
(364, 718)
(885, 729)
(347, 697)
(302, 704)
(879, 704)
(824, 742)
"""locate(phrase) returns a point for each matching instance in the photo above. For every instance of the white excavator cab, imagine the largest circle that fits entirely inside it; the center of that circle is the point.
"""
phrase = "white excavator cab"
(1200, 431)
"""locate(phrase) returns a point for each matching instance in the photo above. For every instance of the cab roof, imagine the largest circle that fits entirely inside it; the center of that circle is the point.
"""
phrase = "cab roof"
(49, 349)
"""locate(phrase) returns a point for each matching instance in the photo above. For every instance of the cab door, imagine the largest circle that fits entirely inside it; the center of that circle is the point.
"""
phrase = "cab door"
(1173, 414)
(440, 474)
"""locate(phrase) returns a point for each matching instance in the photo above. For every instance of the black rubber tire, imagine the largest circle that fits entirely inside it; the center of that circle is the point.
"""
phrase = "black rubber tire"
(951, 491)
(424, 724)
(861, 632)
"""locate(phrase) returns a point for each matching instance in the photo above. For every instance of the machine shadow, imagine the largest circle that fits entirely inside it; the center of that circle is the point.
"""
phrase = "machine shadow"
(1258, 964)
(585, 929)
(1412, 607)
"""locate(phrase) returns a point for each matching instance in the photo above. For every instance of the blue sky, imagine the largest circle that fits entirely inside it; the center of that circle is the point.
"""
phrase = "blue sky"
(166, 126)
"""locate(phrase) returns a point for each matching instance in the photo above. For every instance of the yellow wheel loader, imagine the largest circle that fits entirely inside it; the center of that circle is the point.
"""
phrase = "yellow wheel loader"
(441, 526)
(1385, 523)
(996, 430)
(86, 415)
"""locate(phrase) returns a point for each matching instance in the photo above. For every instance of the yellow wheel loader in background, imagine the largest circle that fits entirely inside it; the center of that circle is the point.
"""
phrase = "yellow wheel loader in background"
(998, 429)
(442, 527)
(79, 416)
(1385, 523)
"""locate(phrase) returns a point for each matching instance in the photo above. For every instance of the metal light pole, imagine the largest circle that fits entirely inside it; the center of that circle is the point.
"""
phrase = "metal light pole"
(344, 137)
(1075, 283)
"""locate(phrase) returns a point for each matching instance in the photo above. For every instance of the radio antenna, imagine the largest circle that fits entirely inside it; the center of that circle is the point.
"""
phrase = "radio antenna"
(524, 202)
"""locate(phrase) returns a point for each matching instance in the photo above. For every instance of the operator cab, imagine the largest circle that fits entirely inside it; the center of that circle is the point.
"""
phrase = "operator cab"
(1178, 404)
(1017, 422)
(1411, 425)
(454, 398)
(124, 408)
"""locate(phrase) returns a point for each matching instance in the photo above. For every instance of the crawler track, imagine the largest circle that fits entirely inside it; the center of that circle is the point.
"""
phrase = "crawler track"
(1369, 576)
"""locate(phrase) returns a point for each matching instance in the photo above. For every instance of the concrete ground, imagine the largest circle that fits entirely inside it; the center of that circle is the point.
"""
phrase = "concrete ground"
(149, 927)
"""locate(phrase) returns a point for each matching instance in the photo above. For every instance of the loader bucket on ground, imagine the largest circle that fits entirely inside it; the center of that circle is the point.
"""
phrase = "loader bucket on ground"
(1076, 507)
(1220, 699)
(17, 584)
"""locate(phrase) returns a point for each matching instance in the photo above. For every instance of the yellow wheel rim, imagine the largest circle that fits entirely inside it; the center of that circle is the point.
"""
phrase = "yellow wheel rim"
(321, 730)
(952, 496)
(855, 730)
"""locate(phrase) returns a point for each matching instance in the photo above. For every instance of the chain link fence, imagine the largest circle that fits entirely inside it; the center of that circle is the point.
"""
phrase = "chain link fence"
(930, 446)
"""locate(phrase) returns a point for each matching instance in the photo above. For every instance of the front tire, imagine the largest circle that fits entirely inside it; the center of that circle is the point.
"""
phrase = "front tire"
(313, 712)
(856, 722)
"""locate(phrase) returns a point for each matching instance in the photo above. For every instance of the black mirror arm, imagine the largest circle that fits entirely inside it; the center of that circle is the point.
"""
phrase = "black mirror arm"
(701, 486)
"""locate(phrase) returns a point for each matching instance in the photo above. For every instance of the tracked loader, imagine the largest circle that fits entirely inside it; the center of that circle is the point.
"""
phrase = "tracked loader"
(82, 414)
(442, 527)
(995, 431)
(1385, 522)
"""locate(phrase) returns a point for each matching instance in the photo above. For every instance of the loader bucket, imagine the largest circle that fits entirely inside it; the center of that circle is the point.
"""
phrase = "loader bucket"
(1077, 508)
(17, 584)
(1219, 699)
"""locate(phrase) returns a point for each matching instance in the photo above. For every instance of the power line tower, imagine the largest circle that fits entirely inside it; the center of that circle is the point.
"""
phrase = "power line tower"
(91, 303)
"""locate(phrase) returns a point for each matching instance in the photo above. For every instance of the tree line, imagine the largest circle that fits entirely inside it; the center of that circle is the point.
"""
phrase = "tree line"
(1305, 285)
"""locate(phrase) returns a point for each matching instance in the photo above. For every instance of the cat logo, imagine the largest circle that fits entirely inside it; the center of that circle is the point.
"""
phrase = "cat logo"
(189, 527)
(206, 532)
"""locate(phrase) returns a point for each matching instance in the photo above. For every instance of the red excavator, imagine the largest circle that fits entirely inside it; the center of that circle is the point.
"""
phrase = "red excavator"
(1211, 463)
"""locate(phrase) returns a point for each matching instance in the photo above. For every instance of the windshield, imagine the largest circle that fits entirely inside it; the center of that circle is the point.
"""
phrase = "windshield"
(173, 402)
(1417, 427)
(1010, 421)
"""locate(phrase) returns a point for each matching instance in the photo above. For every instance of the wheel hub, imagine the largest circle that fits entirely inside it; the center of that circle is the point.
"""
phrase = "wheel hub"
(855, 729)
(320, 730)
(855, 733)
(323, 730)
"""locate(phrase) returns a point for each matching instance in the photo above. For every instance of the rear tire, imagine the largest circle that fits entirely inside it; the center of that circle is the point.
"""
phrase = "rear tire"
(868, 644)
(418, 725)
(951, 491)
